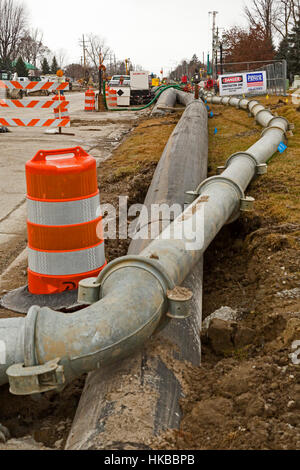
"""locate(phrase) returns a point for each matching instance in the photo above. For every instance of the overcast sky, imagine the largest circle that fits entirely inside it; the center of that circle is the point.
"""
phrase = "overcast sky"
(152, 33)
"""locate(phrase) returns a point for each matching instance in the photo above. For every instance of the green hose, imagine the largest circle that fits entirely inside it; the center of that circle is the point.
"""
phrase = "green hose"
(165, 86)
(143, 107)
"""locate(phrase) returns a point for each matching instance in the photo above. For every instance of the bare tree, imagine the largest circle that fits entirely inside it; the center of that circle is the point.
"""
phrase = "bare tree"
(62, 58)
(262, 12)
(295, 6)
(31, 47)
(287, 13)
(12, 26)
(282, 17)
(96, 45)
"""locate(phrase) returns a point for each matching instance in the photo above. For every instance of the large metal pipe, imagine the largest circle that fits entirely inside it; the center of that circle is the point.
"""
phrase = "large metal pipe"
(134, 298)
(166, 100)
(157, 385)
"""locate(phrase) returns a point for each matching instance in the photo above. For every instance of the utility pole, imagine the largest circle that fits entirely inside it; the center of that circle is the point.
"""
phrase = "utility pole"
(214, 41)
(83, 45)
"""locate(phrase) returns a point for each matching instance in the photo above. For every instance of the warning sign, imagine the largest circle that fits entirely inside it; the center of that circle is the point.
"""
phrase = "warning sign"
(243, 83)
(232, 84)
(256, 82)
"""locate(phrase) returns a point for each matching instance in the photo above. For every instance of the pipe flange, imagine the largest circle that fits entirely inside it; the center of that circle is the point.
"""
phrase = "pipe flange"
(224, 179)
(246, 103)
(255, 106)
(178, 298)
(274, 127)
(289, 125)
(246, 203)
(260, 168)
(238, 106)
(252, 101)
(225, 100)
(140, 262)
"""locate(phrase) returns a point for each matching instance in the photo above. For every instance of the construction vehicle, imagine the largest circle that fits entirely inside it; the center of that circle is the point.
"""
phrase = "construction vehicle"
(132, 90)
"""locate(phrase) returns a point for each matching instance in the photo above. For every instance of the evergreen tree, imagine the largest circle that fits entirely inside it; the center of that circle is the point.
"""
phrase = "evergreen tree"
(54, 66)
(282, 52)
(45, 67)
(21, 68)
(293, 53)
(6, 65)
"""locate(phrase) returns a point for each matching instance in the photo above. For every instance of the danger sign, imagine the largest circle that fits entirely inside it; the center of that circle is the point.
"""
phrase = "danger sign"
(231, 84)
(243, 83)
(237, 79)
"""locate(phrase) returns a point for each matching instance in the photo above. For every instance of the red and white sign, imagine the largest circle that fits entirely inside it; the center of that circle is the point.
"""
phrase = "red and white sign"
(243, 83)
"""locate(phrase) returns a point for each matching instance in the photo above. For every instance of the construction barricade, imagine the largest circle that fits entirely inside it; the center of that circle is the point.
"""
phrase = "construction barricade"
(65, 236)
(63, 119)
(90, 101)
(111, 98)
(61, 110)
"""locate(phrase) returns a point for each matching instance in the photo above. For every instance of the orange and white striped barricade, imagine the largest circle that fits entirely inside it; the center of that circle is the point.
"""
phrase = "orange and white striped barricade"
(60, 121)
(16, 122)
(32, 104)
(61, 110)
(90, 101)
(33, 86)
(65, 234)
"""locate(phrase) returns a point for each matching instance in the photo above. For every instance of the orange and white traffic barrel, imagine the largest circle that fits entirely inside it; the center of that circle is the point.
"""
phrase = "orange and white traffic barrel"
(111, 98)
(65, 236)
(90, 101)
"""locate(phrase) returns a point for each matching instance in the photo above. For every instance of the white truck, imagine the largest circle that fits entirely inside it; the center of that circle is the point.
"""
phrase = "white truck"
(133, 90)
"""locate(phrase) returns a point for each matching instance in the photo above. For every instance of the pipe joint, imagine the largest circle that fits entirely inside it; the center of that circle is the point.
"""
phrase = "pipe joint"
(255, 102)
(286, 124)
(260, 168)
(270, 128)
(178, 299)
(225, 100)
(263, 111)
(245, 203)
(256, 109)
(29, 378)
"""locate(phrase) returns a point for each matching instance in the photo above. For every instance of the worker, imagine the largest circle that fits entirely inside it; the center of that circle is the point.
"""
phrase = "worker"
(209, 84)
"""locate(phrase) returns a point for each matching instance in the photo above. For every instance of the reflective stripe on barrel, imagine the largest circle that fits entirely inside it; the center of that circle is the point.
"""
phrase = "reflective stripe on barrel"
(66, 263)
(65, 212)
